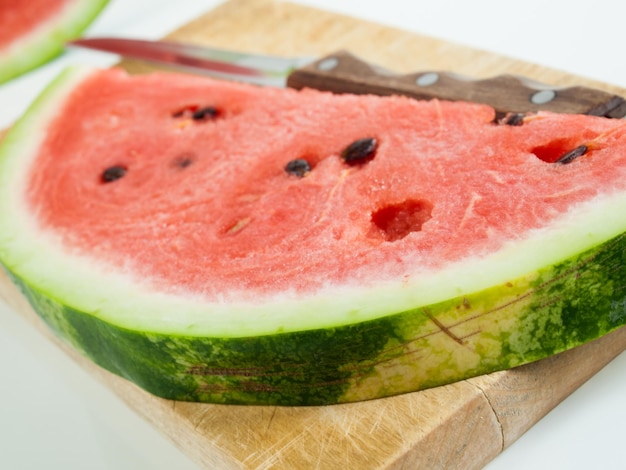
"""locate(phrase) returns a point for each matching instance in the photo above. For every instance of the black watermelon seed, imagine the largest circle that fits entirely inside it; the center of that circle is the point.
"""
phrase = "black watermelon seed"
(298, 167)
(572, 154)
(512, 119)
(183, 161)
(113, 173)
(206, 113)
(360, 151)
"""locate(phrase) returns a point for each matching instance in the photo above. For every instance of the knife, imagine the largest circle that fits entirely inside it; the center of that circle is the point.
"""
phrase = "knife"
(343, 72)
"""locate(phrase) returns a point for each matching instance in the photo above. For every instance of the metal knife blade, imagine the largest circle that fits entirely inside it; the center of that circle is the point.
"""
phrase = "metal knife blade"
(343, 72)
(260, 69)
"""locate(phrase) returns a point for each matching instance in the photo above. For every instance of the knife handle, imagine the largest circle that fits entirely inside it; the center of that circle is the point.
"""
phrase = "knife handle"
(343, 72)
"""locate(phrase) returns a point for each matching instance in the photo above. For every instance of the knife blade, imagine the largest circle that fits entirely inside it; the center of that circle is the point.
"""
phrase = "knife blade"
(343, 72)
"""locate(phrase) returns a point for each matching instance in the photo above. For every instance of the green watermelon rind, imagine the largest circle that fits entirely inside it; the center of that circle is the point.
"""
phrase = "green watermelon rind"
(495, 329)
(48, 41)
(555, 289)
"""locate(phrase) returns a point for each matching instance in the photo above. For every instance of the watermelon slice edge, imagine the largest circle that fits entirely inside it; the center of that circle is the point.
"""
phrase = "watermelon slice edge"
(47, 40)
(530, 299)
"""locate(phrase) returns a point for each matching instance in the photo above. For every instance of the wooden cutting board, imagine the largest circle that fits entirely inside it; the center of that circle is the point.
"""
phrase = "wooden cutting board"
(463, 425)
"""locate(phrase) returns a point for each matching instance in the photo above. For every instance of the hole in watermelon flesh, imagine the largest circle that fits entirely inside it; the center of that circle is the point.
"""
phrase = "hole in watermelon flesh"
(555, 150)
(396, 221)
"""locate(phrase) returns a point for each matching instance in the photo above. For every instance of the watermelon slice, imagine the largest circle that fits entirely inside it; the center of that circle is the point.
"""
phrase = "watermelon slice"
(34, 31)
(219, 242)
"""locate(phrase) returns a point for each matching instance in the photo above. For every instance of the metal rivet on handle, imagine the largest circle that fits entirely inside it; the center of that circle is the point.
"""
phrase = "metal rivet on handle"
(543, 97)
(426, 79)
(328, 64)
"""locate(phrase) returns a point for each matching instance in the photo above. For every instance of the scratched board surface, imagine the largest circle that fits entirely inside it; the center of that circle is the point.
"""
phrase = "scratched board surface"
(463, 425)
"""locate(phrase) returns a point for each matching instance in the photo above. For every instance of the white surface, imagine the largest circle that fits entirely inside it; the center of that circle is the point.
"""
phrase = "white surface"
(55, 416)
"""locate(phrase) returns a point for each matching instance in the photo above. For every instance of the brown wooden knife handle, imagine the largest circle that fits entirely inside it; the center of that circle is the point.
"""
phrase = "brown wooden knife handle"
(342, 72)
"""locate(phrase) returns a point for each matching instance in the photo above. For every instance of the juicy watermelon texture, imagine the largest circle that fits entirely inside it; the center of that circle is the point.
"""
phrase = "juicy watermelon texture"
(206, 205)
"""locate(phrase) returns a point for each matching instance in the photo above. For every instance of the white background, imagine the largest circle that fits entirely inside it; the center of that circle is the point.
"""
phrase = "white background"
(55, 416)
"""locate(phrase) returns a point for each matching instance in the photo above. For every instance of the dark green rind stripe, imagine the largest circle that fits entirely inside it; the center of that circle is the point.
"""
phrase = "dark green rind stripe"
(520, 321)
(579, 300)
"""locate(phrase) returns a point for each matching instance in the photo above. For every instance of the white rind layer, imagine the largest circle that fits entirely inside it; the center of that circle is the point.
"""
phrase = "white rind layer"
(87, 285)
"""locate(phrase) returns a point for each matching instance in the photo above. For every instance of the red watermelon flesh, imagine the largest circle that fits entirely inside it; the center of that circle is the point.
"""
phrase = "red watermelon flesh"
(206, 206)
(218, 242)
